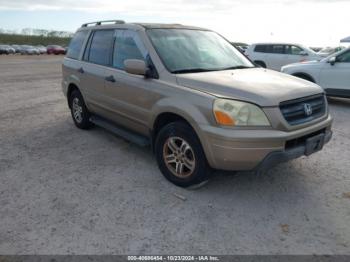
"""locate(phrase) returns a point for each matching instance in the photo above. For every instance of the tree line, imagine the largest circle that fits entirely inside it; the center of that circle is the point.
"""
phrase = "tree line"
(37, 32)
(29, 36)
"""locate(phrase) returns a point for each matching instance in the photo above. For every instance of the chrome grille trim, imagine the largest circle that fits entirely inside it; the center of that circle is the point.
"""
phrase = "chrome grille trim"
(297, 112)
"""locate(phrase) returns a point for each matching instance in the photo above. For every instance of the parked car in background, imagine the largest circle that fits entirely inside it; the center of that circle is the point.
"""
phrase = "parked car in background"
(331, 73)
(6, 49)
(17, 48)
(11, 49)
(29, 50)
(56, 50)
(191, 96)
(316, 49)
(327, 51)
(42, 49)
(276, 55)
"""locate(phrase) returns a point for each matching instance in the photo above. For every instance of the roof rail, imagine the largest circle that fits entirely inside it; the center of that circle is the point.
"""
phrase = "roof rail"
(103, 22)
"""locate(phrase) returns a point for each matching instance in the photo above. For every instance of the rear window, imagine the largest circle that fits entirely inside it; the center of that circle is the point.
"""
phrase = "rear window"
(75, 45)
(101, 47)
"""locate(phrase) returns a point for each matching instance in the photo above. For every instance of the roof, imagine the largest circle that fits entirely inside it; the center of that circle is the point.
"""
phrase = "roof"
(168, 26)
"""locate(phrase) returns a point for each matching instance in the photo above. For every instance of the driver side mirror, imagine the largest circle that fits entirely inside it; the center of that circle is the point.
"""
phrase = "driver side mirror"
(303, 53)
(332, 60)
(135, 67)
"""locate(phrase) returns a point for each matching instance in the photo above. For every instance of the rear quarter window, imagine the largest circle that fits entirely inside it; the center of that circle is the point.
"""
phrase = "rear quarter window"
(76, 45)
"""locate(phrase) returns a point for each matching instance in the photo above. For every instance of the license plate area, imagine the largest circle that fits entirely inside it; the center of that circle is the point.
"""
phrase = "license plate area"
(314, 144)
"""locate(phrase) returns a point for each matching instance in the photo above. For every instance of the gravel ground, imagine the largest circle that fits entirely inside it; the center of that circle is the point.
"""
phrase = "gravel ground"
(68, 191)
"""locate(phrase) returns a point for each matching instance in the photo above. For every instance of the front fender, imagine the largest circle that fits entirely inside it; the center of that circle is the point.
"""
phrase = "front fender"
(190, 112)
(196, 116)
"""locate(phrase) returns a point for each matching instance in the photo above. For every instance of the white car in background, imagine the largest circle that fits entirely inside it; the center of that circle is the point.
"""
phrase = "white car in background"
(327, 51)
(331, 73)
(276, 55)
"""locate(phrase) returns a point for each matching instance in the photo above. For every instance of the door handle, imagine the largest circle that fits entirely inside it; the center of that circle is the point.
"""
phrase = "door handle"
(81, 70)
(110, 79)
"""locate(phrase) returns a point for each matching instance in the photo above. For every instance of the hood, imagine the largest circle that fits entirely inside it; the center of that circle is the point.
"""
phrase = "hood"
(260, 86)
(308, 64)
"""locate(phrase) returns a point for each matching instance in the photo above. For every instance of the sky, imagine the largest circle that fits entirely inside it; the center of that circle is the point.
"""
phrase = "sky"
(308, 22)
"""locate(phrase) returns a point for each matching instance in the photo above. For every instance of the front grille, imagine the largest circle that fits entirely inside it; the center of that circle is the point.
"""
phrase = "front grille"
(304, 109)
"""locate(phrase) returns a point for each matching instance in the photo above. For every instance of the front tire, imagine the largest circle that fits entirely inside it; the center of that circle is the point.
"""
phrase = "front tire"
(180, 156)
(79, 111)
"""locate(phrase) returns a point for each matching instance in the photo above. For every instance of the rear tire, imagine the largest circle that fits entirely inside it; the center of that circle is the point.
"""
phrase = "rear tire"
(180, 155)
(79, 111)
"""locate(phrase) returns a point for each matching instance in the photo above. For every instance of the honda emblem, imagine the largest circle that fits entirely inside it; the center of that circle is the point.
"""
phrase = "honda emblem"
(308, 109)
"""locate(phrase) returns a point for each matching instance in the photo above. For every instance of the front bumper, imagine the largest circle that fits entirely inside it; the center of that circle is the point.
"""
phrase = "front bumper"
(247, 149)
(274, 158)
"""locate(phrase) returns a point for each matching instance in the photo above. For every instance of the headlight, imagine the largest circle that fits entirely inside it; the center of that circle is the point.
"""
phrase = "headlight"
(237, 113)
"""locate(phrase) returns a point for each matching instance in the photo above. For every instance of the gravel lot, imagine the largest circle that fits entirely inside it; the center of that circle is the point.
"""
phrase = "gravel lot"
(68, 191)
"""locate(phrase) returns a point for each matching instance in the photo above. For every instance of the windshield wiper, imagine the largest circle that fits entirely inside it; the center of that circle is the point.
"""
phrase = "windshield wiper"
(237, 67)
(192, 70)
(198, 70)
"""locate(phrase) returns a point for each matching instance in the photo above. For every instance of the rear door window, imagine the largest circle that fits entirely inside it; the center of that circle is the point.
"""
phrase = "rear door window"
(277, 49)
(100, 49)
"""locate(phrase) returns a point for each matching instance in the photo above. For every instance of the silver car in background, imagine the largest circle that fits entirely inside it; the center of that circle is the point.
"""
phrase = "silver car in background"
(6, 49)
(29, 50)
(17, 48)
(42, 49)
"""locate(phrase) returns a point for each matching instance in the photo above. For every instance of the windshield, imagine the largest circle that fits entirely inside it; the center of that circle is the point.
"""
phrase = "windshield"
(309, 50)
(185, 51)
(336, 54)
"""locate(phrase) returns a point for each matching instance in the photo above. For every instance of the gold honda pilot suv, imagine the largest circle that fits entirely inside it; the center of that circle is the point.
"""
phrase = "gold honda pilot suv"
(189, 94)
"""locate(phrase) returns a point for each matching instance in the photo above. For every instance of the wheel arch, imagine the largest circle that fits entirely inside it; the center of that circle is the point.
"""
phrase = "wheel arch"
(304, 76)
(166, 118)
(70, 89)
(169, 112)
